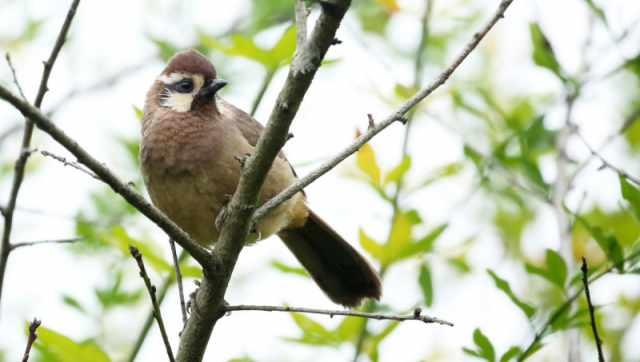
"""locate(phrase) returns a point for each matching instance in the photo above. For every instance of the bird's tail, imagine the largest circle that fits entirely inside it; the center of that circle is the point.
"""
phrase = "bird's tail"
(338, 269)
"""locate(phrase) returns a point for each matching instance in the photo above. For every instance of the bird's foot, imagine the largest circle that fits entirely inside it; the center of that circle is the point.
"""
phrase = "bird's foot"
(191, 304)
(222, 216)
(255, 229)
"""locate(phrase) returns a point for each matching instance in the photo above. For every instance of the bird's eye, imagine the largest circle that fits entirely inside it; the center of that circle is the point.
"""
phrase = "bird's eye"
(185, 86)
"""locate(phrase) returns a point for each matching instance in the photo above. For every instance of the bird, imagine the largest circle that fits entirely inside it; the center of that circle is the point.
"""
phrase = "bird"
(191, 139)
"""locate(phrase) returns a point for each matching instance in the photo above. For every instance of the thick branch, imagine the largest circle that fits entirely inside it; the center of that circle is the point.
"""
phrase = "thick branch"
(210, 298)
(416, 316)
(128, 192)
(585, 281)
(396, 115)
(21, 163)
(137, 255)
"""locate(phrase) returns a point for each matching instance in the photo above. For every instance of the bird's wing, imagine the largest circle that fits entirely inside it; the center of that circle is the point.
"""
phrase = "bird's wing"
(250, 128)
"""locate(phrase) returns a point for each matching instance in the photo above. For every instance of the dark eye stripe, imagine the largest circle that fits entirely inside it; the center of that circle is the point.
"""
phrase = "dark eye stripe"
(184, 86)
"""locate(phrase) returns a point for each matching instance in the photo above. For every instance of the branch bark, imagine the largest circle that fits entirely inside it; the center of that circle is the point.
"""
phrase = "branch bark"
(416, 316)
(585, 281)
(606, 163)
(137, 255)
(33, 335)
(14, 246)
(21, 163)
(210, 298)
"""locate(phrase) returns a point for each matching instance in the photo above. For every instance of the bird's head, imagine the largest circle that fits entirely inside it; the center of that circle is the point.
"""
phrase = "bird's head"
(188, 83)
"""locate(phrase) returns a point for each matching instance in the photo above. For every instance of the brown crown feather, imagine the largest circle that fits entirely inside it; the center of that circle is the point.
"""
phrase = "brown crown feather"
(191, 61)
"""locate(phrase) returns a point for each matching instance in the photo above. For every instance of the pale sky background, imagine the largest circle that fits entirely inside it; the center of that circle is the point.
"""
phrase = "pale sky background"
(108, 36)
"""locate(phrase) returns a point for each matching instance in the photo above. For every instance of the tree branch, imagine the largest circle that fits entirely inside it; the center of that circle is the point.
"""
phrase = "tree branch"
(200, 254)
(210, 298)
(70, 163)
(176, 264)
(416, 316)
(15, 77)
(20, 166)
(33, 335)
(396, 115)
(560, 310)
(137, 255)
(606, 164)
(32, 243)
(585, 281)
(161, 294)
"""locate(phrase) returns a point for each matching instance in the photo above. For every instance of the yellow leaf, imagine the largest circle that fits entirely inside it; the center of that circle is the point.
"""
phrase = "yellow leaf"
(399, 235)
(390, 5)
(371, 246)
(366, 161)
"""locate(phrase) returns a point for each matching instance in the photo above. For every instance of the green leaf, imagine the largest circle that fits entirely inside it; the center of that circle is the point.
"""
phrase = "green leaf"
(72, 302)
(366, 162)
(398, 172)
(484, 347)
(371, 246)
(557, 268)
(632, 195)
(282, 53)
(59, 347)
(120, 239)
(426, 285)
(503, 285)
(597, 11)
(165, 49)
(543, 54)
(399, 236)
(289, 269)
(349, 328)
(279, 55)
(313, 332)
(511, 353)
(423, 245)
(139, 112)
(535, 348)
(608, 244)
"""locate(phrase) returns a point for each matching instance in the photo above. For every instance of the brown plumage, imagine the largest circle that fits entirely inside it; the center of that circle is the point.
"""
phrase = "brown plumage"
(189, 139)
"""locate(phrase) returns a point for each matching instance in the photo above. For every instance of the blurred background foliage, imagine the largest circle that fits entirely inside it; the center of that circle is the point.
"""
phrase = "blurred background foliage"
(508, 142)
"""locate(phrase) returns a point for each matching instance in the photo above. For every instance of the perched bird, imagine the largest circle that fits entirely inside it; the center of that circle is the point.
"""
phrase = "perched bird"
(190, 138)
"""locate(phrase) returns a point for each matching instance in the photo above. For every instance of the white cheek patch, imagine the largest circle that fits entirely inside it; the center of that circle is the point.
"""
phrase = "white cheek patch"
(180, 102)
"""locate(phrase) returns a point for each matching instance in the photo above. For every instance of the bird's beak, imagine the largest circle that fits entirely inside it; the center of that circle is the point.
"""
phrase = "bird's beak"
(212, 89)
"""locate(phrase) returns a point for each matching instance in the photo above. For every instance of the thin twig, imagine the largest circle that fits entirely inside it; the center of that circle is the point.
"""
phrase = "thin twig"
(33, 335)
(161, 294)
(70, 163)
(396, 115)
(137, 255)
(20, 167)
(629, 121)
(55, 241)
(416, 316)
(585, 281)
(606, 164)
(176, 264)
(15, 76)
(560, 310)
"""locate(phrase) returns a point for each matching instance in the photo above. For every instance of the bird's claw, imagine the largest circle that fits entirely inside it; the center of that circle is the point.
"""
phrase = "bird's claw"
(221, 218)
